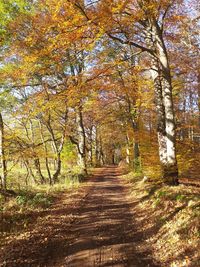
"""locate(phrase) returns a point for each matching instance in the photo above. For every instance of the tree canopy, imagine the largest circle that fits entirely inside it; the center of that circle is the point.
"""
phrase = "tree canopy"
(99, 82)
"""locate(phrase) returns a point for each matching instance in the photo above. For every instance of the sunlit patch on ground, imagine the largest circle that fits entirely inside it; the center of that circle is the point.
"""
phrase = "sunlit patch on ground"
(170, 219)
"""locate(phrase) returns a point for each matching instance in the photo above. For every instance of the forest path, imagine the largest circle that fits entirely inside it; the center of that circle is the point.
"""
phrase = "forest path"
(96, 227)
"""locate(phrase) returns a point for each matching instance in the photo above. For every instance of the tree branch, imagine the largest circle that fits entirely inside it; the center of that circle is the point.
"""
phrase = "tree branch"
(143, 48)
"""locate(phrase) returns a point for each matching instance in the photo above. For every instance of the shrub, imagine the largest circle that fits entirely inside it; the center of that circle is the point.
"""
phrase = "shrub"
(41, 200)
(21, 200)
(37, 200)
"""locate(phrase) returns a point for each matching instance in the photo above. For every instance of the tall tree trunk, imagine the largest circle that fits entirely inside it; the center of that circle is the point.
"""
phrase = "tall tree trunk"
(90, 153)
(137, 163)
(2, 155)
(164, 102)
(97, 148)
(159, 102)
(161, 124)
(170, 170)
(136, 148)
(199, 94)
(134, 122)
(184, 130)
(102, 159)
(81, 141)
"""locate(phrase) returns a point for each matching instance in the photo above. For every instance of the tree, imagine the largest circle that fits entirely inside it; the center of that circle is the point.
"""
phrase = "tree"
(2, 154)
(147, 27)
(90, 68)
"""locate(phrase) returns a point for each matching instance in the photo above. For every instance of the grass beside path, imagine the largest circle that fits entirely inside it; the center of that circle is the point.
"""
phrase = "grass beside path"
(169, 218)
(23, 206)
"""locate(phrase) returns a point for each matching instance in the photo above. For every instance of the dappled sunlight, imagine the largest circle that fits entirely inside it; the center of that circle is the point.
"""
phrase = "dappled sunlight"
(172, 228)
(97, 231)
(99, 133)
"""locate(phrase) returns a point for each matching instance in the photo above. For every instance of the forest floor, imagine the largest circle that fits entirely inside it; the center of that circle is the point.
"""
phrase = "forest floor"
(100, 224)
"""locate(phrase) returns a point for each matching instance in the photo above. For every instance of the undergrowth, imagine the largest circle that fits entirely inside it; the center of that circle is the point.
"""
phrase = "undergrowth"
(20, 209)
(170, 220)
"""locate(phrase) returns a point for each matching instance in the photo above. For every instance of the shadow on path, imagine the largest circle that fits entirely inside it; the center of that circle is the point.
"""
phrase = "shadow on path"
(101, 232)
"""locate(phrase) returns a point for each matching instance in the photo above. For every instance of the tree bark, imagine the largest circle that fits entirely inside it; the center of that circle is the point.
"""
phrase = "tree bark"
(90, 141)
(2, 155)
(159, 102)
(38, 170)
(170, 169)
(161, 124)
(134, 122)
(199, 95)
(137, 164)
(127, 149)
(57, 151)
(81, 141)
(102, 160)
(29, 170)
(46, 153)
(58, 169)
(97, 148)
(36, 159)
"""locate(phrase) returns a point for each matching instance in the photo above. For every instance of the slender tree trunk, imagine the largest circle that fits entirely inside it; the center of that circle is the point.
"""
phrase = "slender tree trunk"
(29, 171)
(137, 164)
(36, 159)
(58, 169)
(102, 160)
(199, 95)
(91, 146)
(136, 147)
(48, 170)
(127, 149)
(38, 169)
(113, 158)
(56, 147)
(97, 163)
(134, 122)
(2, 155)
(57, 152)
(46, 153)
(97, 148)
(184, 130)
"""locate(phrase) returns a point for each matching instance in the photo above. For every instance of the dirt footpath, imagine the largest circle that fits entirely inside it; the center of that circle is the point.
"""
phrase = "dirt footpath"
(94, 227)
